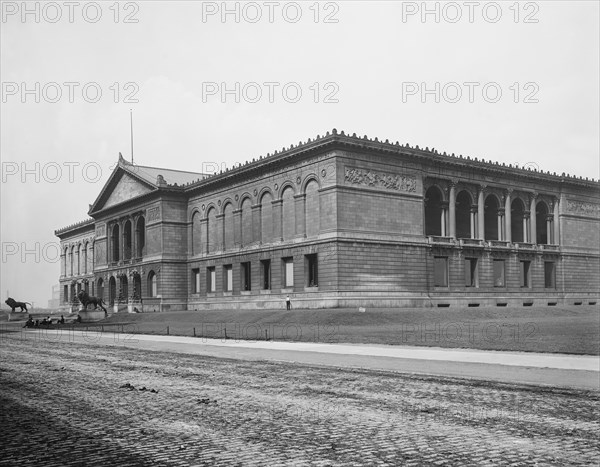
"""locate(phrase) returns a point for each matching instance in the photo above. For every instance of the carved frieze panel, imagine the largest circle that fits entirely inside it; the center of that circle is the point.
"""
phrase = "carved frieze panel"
(582, 208)
(100, 230)
(375, 179)
(153, 214)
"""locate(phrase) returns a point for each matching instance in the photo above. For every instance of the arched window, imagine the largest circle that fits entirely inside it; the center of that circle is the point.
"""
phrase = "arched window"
(463, 214)
(115, 243)
(100, 288)
(140, 237)
(433, 211)
(112, 290)
(78, 259)
(247, 234)
(64, 262)
(123, 289)
(312, 210)
(229, 229)
(541, 223)
(517, 215)
(152, 284)
(196, 234)
(491, 218)
(212, 231)
(85, 258)
(266, 218)
(127, 241)
(289, 214)
(90, 257)
(137, 287)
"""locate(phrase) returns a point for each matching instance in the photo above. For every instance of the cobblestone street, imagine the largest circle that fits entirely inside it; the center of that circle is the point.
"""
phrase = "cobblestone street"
(70, 404)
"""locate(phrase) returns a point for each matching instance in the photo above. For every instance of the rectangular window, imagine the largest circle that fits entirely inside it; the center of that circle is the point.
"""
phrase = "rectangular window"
(211, 279)
(227, 278)
(498, 272)
(288, 272)
(471, 272)
(524, 276)
(312, 270)
(195, 280)
(549, 274)
(246, 276)
(265, 266)
(440, 271)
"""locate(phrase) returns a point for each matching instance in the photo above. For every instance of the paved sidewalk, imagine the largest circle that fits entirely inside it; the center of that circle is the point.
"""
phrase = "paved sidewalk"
(518, 367)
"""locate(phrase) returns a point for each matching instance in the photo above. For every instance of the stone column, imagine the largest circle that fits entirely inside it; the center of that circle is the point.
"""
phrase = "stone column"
(481, 212)
(532, 219)
(508, 217)
(556, 239)
(526, 232)
(473, 218)
(500, 223)
(452, 209)
(277, 220)
(63, 263)
(443, 222)
(300, 209)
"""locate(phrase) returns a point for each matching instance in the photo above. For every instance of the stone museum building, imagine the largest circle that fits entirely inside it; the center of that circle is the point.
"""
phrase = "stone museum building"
(337, 221)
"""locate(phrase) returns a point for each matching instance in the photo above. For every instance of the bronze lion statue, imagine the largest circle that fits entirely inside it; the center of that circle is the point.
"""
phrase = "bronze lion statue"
(87, 299)
(11, 302)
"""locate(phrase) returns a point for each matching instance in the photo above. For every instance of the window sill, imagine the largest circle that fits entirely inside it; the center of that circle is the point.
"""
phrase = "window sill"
(265, 291)
(287, 290)
(245, 292)
(311, 289)
(227, 293)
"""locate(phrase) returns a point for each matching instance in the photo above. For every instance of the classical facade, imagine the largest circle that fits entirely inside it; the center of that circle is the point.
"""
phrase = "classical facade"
(338, 221)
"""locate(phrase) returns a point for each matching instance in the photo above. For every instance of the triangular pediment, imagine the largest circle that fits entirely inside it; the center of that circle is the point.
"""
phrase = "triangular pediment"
(122, 185)
(125, 189)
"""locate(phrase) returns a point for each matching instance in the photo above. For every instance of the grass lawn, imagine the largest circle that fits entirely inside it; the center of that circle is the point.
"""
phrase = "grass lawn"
(562, 329)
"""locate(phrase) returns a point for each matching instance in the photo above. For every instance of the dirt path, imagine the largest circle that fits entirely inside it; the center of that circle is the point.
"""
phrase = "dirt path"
(67, 403)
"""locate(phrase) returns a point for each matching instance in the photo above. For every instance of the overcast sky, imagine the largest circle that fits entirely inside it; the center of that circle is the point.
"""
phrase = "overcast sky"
(515, 83)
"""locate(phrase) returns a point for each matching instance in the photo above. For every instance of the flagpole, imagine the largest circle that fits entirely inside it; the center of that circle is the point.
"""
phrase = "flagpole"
(131, 125)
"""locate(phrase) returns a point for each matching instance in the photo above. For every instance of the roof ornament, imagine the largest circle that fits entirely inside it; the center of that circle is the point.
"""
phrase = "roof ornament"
(160, 180)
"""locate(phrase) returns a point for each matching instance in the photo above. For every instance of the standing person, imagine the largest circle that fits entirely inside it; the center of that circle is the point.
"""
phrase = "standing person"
(288, 302)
